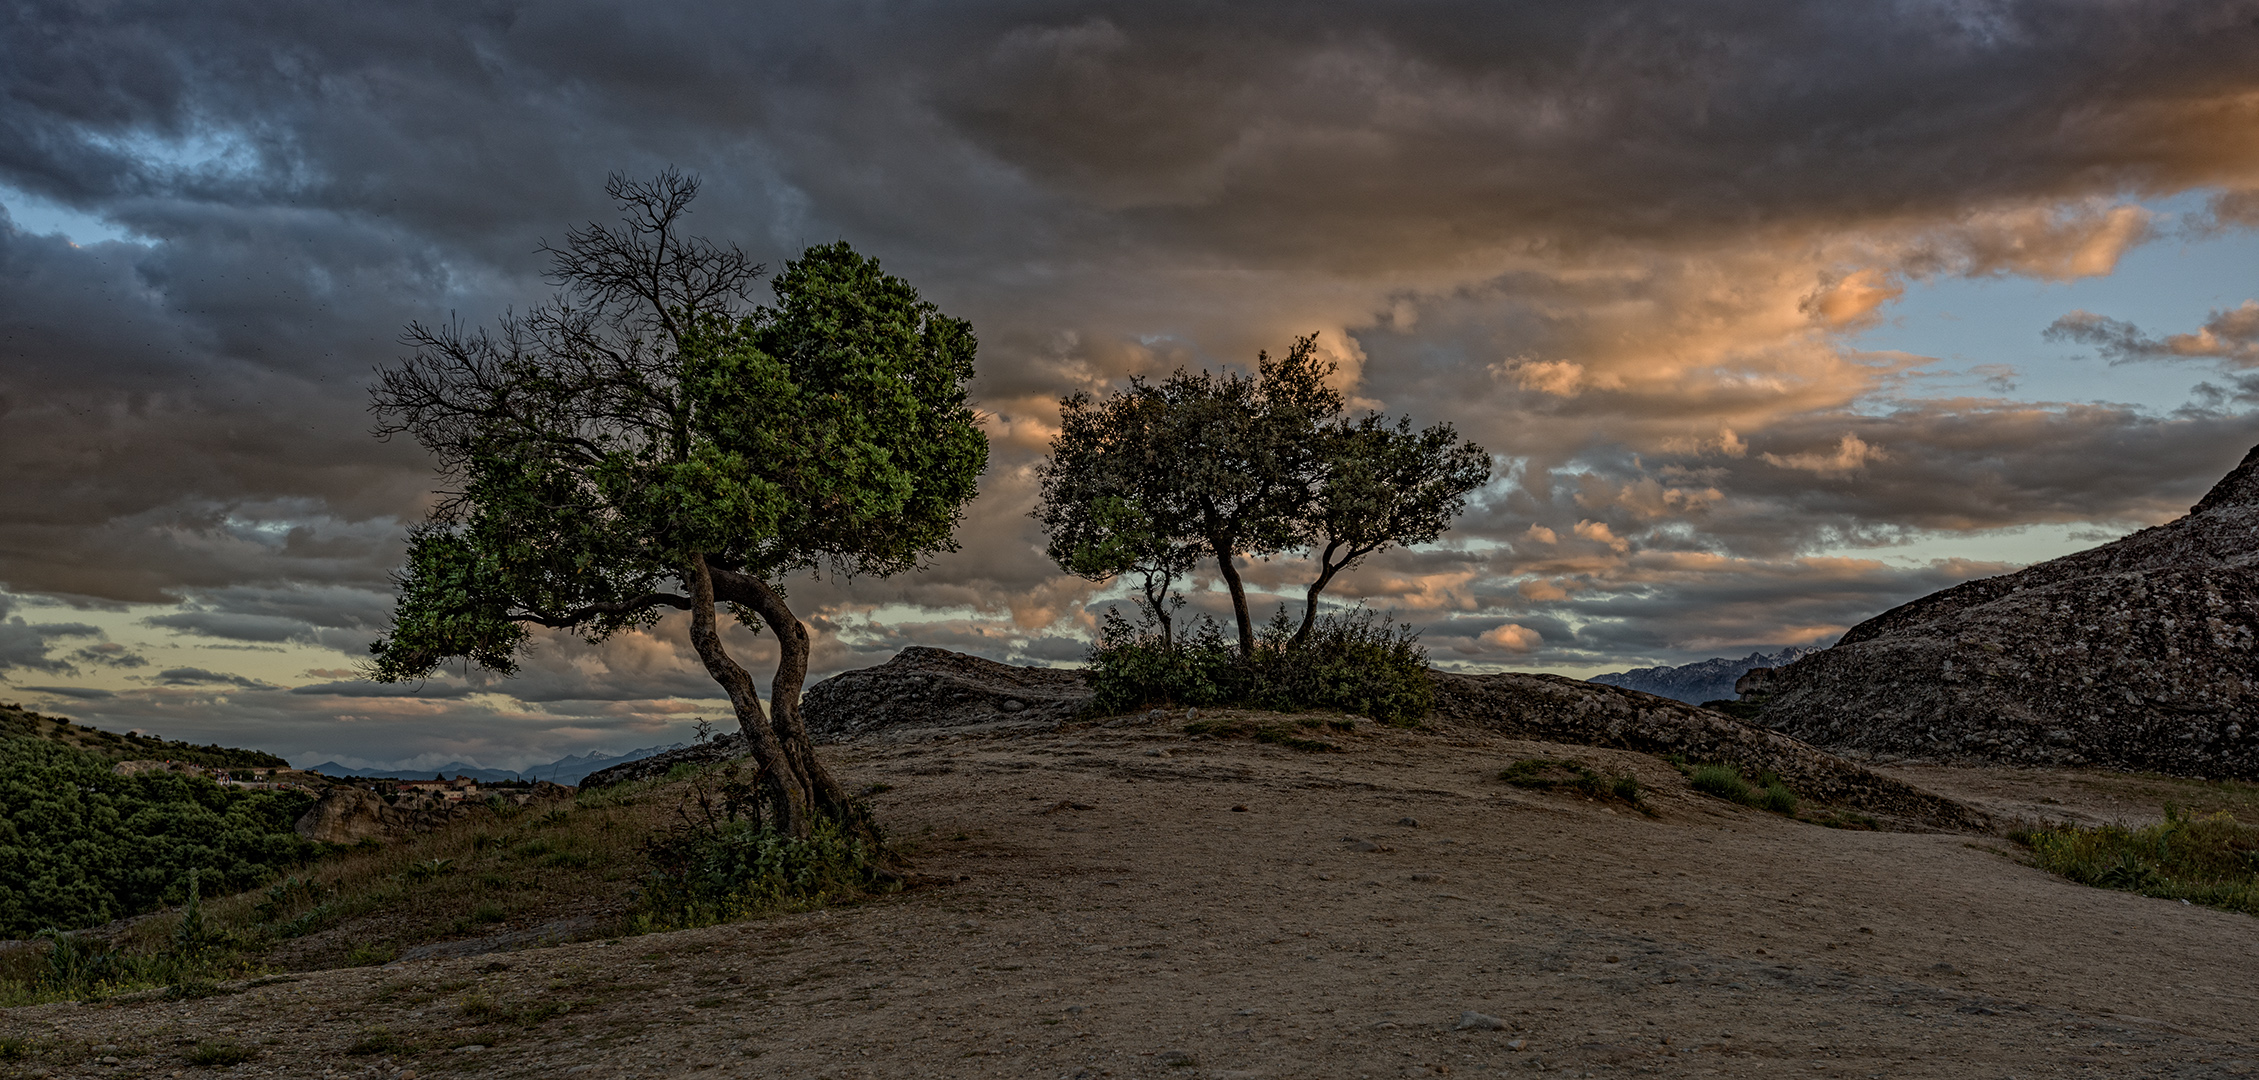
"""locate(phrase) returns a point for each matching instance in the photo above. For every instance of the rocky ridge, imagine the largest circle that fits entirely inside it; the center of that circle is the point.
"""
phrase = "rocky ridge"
(2138, 654)
(1554, 708)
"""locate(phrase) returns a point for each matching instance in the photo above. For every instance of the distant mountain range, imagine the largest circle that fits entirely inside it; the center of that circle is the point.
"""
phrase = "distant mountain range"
(1704, 680)
(566, 770)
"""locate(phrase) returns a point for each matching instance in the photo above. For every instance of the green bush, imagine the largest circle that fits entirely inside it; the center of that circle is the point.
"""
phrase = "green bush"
(2211, 860)
(1357, 662)
(719, 862)
(81, 845)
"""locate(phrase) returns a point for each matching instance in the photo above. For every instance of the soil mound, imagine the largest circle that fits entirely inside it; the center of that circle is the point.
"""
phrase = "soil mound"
(1557, 709)
(2138, 654)
(936, 688)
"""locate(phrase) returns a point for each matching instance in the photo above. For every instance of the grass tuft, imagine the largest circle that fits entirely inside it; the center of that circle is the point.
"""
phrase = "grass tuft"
(1550, 774)
(2211, 859)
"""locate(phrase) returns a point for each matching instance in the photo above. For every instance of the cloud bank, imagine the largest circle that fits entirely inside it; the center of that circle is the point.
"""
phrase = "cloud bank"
(1628, 247)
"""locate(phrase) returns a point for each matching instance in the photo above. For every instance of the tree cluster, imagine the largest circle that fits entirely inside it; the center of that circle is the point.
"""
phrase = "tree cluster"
(1154, 478)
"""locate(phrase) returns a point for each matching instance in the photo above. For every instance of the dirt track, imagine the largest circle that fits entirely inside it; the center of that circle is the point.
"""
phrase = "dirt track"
(1146, 928)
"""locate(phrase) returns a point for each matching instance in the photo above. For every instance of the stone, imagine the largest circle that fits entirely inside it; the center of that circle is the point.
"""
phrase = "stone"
(1475, 1021)
(1174, 1057)
(2138, 654)
(1409, 823)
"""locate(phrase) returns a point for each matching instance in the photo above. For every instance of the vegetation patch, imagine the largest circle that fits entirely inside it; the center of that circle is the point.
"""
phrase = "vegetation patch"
(1550, 774)
(2211, 859)
(1766, 791)
(81, 845)
(717, 861)
(1358, 663)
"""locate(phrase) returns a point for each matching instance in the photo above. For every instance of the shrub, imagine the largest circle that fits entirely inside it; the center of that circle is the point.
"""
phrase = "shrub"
(719, 862)
(1357, 662)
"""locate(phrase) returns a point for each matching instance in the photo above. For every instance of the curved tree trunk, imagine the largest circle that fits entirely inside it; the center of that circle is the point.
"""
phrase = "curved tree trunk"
(781, 780)
(1223, 554)
(783, 727)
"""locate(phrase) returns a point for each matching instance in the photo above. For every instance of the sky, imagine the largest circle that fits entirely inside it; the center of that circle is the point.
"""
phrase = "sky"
(1773, 315)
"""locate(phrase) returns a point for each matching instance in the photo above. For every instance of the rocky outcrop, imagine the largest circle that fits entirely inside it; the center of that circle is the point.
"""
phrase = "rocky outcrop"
(348, 815)
(727, 747)
(936, 688)
(2138, 654)
(1557, 709)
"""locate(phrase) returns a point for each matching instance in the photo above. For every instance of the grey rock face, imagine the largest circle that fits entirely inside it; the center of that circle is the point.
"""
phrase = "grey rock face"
(2138, 654)
(936, 688)
(1557, 709)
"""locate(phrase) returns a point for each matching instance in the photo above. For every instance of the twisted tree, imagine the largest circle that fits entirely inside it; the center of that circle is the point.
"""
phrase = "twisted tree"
(653, 440)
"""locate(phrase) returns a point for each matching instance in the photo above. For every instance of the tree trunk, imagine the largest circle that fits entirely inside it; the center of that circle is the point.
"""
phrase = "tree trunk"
(1327, 568)
(785, 727)
(781, 782)
(1238, 597)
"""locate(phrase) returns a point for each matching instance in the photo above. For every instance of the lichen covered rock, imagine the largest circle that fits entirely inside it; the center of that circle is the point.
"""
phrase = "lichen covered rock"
(936, 688)
(2139, 654)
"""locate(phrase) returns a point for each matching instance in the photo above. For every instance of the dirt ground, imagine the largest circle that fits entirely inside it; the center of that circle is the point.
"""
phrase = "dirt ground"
(1129, 902)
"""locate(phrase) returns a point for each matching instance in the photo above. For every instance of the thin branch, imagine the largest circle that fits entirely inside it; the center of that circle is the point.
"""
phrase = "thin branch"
(617, 607)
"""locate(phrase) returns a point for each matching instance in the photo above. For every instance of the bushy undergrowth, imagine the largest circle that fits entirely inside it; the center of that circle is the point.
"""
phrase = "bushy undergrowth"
(81, 845)
(2211, 859)
(719, 862)
(1357, 662)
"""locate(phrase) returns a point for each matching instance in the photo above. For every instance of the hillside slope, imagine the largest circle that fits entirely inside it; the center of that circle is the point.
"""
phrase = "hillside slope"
(2138, 654)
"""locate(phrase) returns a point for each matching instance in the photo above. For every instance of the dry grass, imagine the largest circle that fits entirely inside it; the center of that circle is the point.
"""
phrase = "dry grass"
(567, 865)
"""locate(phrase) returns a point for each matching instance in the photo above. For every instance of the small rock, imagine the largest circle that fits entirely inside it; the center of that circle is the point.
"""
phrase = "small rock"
(1427, 877)
(471, 1049)
(1156, 753)
(1174, 1057)
(1475, 1021)
(1241, 808)
(1409, 823)
(1517, 1044)
(1192, 714)
(1012, 705)
(1363, 845)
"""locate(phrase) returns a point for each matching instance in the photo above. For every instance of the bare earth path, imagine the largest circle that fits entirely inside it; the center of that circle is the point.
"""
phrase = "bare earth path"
(1106, 911)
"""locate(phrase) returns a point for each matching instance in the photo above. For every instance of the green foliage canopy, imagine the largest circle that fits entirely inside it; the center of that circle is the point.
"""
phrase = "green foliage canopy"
(827, 430)
(81, 845)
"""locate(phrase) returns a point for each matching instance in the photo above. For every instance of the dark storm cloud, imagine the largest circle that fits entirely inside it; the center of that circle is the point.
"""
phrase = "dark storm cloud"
(2230, 336)
(1610, 241)
(187, 676)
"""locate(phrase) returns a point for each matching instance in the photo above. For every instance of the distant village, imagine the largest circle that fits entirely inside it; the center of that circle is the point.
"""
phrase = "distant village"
(438, 789)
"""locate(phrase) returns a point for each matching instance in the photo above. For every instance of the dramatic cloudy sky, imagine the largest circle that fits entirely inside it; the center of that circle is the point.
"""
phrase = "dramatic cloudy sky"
(1774, 314)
